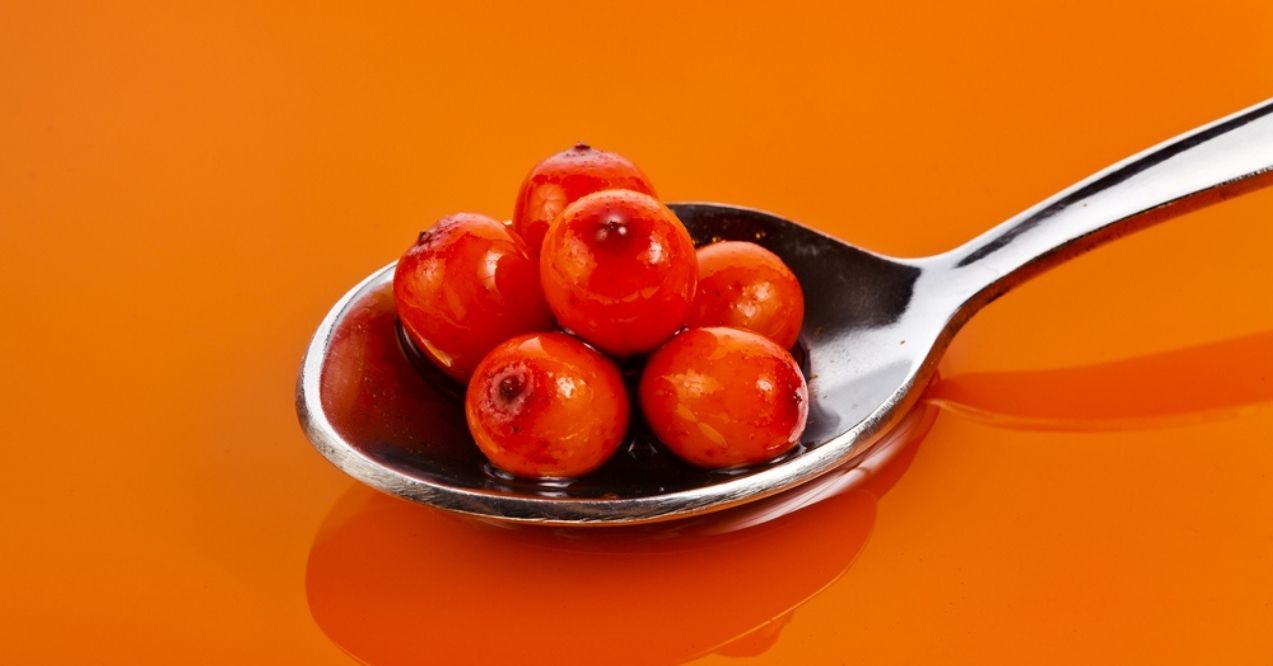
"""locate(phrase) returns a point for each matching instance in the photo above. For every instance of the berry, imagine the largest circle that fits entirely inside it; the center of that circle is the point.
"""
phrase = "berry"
(564, 178)
(724, 397)
(546, 405)
(743, 285)
(466, 285)
(618, 269)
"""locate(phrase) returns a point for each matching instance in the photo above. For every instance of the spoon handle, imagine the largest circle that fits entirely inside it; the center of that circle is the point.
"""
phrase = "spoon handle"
(1225, 158)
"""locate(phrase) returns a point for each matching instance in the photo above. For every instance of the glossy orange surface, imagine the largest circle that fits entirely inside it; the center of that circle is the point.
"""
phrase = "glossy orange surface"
(185, 188)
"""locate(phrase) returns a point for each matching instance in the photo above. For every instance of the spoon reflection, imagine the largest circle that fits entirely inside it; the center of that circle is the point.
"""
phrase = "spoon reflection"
(392, 583)
(1187, 385)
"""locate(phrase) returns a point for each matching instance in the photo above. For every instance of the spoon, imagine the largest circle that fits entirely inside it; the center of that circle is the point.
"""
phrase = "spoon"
(874, 330)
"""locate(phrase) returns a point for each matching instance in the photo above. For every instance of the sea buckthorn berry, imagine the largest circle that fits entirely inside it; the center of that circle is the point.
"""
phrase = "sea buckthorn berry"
(743, 285)
(466, 285)
(724, 397)
(546, 405)
(564, 178)
(618, 269)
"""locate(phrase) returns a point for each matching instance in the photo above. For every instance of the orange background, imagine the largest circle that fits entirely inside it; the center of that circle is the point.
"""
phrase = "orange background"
(186, 187)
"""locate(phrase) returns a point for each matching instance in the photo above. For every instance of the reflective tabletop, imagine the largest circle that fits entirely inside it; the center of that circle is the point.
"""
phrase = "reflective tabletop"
(186, 189)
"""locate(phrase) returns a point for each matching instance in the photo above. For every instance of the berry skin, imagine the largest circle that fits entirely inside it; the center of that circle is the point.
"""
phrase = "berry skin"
(724, 397)
(563, 179)
(743, 285)
(466, 285)
(546, 405)
(618, 269)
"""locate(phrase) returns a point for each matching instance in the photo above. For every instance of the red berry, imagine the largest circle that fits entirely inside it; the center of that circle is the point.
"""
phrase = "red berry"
(618, 269)
(545, 405)
(465, 286)
(723, 397)
(743, 285)
(564, 178)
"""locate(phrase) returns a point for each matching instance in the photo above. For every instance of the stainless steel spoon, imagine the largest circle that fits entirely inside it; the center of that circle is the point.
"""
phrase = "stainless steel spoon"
(875, 328)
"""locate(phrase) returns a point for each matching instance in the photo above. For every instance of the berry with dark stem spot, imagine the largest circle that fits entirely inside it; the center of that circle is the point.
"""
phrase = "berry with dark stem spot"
(618, 268)
(546, 405)
(563, 179)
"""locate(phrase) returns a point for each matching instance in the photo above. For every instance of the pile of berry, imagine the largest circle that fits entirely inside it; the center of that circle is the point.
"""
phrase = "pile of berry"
(595, 268)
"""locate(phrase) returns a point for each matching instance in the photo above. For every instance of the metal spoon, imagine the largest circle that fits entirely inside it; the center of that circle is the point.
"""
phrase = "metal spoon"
(875, 328)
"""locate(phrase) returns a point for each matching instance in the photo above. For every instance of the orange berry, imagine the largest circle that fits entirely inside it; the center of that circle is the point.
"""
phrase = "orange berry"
(618, 269)
(466, 285)
(546, 405)
(566, 177)
(743, 285)
(724, 397)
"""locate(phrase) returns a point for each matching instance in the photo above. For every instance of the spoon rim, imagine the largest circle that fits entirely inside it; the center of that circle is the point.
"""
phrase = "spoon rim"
(844, 449)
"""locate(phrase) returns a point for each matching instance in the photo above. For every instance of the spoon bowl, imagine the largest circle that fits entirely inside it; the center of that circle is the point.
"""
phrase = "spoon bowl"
(874, 330)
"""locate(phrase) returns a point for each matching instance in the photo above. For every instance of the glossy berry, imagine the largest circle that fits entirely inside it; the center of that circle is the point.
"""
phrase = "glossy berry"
(724, 397)
(466, 285)
(546, 405)
(618, 269)
(743, 285)
(563, 179)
